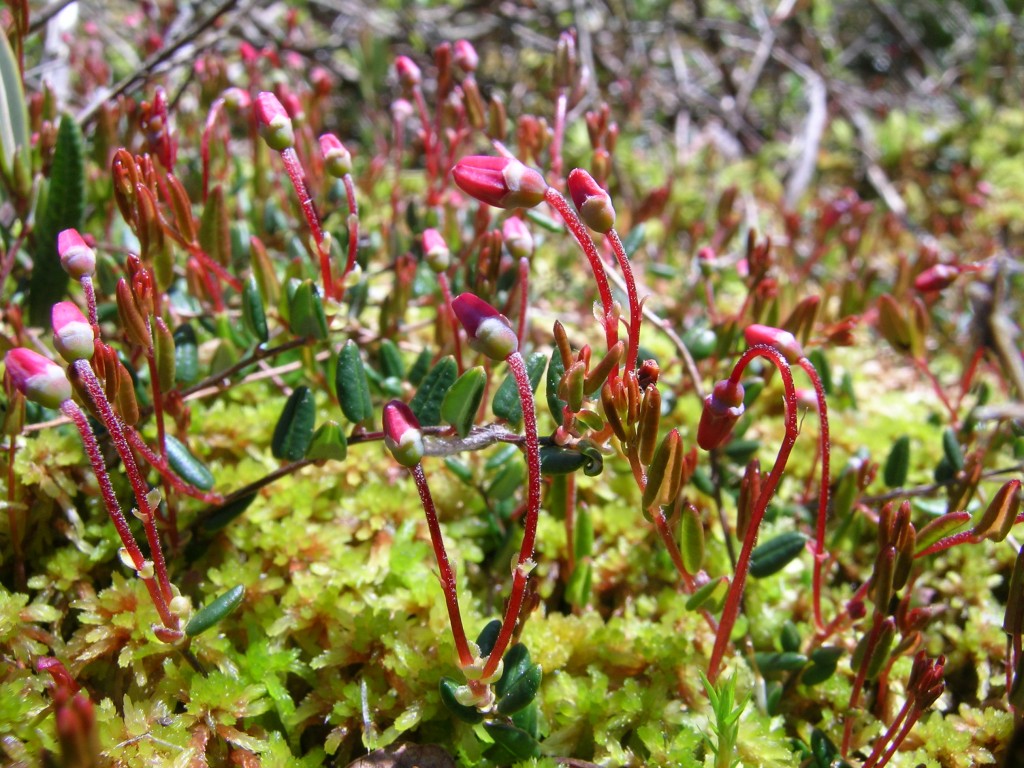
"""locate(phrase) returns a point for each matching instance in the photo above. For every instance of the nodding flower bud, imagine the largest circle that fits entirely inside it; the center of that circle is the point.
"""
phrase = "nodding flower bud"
(275, 124)
(490, 332)
(435, 250)
(783, 341)
(517, 237)
(77, 258)
(503, 182)
(721, 410)
(593, 203)
(936, 278)
(408, 73)
(72, 334)
(465, 56)
(38, 379)
(402, 434)
(337, 159)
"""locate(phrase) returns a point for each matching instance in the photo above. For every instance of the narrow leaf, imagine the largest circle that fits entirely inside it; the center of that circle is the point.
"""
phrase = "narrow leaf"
(426, 403)
(350, 384)
(294, 431)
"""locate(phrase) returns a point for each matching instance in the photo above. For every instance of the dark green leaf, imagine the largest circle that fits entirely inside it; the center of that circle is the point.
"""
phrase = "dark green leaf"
(329, 442)
(506, 404)
(306, 312)
(517, 743)
(350, 384)
(253, 313)
(555, 371)
(65, 208)
(898, 463)
(426, 403)
(187, 466)
(294, 431)
(462, 401)
(772, 556)
(391, 362)
(216, 611)
(186, 355)
(224, 514)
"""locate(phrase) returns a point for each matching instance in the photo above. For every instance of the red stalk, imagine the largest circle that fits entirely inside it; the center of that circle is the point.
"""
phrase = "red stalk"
(825, 447)
(515, 602)
(579, 231)
(635, 314)
(92, 450)
(732, 600)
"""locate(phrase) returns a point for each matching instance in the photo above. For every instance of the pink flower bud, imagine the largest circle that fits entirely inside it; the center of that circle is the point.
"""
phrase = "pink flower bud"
(503, 182)
(517, 237)
(465, 56)
(77, 258)
(435, 250)
(337, 159)
(72, 334)
(936, 278)
(275, 125)
(408, 73)
(783, 341)
(38, 379)
(721, 410)
(490, 332)
(592, 202)
(402, 434)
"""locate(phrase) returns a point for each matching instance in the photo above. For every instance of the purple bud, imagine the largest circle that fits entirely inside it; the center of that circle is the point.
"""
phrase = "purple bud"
(72, 333)
(490, 332)
(402, 434)
(38, 379)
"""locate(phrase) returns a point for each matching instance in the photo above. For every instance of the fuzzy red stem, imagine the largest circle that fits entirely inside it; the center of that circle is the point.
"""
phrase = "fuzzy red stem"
(732, 600)
(579, 231)
(635, 314)
(448, 582)
(159, 463)
(353, 225)
(92, 451)
(446, 292)
(825, 447)
(515, 602)
(139, 486)
(298, 179)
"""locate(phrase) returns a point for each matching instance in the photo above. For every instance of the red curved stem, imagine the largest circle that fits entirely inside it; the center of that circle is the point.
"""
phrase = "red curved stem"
(448, 583)
(635, 314)
(732, 600)
(820, 553)
(522, 571)
(582, 236)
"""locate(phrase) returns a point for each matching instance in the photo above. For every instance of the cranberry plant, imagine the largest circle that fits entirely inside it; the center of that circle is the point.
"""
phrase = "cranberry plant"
(457, 425)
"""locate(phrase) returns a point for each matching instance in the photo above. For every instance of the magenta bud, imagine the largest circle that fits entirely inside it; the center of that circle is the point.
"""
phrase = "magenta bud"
(517, 237)
(72, 333)
(503, 182)
(722, 408)
(592, 202)
(402, 434)
(490, 332)
(464, 56)
(936, 278)
(275, 124)
(337, 159)
(435, 250)
(38, 379)
(408, 73)
(77, 258)
(783, 341)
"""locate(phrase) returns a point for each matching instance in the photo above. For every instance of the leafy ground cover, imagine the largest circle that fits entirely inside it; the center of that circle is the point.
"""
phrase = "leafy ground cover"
(526, 385)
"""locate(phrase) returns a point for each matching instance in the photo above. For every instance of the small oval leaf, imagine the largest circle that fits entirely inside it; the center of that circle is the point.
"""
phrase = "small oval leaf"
(253, 313)
(426, 403)
(898, 463)
(448, 688)
(186, 466)
(462, 401)
(351, 385)
(294, 431)
(216, 611)
(506, 404)
(772, 556)
(329, 442)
